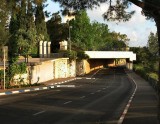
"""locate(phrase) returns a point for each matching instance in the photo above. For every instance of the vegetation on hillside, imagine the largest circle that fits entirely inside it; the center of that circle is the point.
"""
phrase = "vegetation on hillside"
(147, 58)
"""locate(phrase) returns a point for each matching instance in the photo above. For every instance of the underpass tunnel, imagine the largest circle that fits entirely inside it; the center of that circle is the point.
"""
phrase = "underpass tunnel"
(93, 64)
(100, 59)
(101, 63)
(86, 66)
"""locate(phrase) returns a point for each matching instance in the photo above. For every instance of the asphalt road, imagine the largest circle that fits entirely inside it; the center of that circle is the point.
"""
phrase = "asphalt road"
(95, 99)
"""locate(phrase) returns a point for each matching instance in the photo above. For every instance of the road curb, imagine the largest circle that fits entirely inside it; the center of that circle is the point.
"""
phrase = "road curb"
(51, 86)
(120, 121)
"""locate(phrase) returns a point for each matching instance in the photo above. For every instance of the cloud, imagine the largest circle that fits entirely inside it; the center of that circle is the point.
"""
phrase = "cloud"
(137, 29)
(134, 36)
(96, 13)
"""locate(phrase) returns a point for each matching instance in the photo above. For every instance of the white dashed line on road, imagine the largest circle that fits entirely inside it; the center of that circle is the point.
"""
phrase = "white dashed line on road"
(92, 93)
(98, 90)
(67, 102)
(120, 121)
(39, 113)
(82, 97)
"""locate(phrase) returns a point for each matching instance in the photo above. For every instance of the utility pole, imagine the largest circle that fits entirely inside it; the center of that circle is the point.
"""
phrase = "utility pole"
(5, 58)
(69, 37)
(4, 67)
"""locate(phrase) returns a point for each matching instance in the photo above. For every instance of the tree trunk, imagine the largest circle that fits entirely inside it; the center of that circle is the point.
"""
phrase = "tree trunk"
(157, 20)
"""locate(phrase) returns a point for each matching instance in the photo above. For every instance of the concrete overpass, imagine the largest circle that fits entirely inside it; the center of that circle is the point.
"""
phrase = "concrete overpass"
(111, 55)
(100, 59)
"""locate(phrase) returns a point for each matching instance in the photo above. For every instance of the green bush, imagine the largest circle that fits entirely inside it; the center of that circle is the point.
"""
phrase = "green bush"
(81, 55)
(153, 75)
(72, 55)
(1, 74)
(145, 72)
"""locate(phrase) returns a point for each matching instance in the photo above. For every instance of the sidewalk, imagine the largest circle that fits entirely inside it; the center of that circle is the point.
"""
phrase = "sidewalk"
(47, 85)
(144, 106)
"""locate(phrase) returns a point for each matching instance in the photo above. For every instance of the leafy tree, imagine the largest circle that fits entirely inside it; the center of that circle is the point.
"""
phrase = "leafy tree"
(13, 28)
(145, 59)
(31, 29)
(144, 55)
(100, 35)
(57, 31)
(22, 15)
(81, 55)
(81, 30)
(118, 41)
(95, 36)
(153, 48)
(4, 17)
(153, 44)
(22, 29)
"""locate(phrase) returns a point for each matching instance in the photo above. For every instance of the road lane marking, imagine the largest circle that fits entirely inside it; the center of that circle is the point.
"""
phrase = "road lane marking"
(27, 90)
(39, 113)
(104, 88)
(44, 88)
(52, 86)
(82, 97)
(88, 78)
(96, 72)
(14, 92)
(2, 93)
(67, 102)
(70, 86)
(98, 90)
(120, 121)
(79, 78)
(94, 80)
(92, 93)
(36, 88)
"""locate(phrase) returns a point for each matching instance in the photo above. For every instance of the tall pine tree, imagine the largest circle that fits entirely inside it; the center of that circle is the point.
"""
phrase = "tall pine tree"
(4, 16)
(22, 29)
(40, 22)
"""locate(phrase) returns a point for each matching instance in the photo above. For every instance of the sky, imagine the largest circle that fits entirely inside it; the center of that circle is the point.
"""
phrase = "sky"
(137, 29)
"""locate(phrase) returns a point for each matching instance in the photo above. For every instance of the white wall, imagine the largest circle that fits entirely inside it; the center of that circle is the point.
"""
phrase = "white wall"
(53, 69)
(60, 68)
(42, 72)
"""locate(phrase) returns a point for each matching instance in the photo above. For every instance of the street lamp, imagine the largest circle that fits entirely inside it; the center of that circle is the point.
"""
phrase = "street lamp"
(5, 57)
(4, 67)
(69, 39)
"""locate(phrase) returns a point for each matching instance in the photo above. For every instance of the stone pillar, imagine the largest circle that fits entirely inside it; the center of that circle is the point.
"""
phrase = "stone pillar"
(63, 45)
(129, 65)
(45, 49)
(41, 49)
(48, 49)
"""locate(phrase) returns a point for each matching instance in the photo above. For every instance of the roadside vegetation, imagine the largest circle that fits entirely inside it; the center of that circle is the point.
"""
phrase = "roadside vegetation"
(146, 64)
